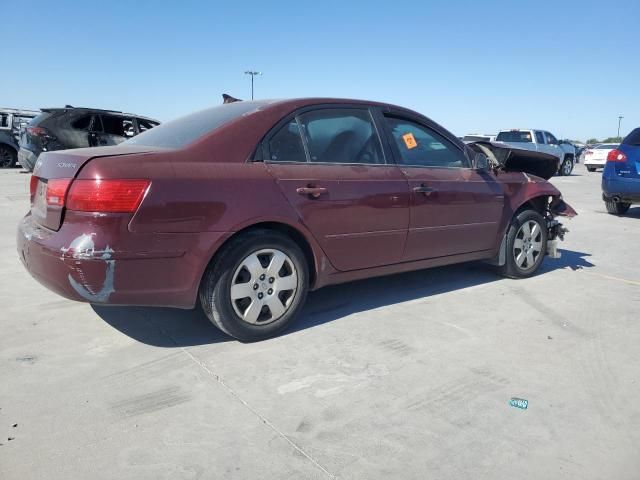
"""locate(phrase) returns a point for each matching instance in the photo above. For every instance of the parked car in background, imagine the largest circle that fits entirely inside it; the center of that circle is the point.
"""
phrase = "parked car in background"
(478, 137)
(541, 141)
(77, 127)
(596, 156)
(621, 175)
(11, 121)
(246, 206)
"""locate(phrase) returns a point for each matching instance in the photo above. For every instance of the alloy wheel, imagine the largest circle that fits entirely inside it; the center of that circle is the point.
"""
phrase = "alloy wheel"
(263, 286)
(566, 168)
(527, 246)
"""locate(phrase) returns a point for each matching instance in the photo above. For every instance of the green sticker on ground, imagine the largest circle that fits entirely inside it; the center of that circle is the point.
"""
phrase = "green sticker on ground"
(519, 403)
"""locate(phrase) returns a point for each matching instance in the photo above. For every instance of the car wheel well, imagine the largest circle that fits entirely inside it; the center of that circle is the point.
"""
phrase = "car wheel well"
(538, 204)
(283, 229)
(9, 146)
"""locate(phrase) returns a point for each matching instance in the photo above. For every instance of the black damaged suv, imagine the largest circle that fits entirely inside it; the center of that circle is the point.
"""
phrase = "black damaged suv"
(77, 127)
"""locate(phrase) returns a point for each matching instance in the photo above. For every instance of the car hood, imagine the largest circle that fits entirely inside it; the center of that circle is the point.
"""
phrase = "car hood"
(512, 159)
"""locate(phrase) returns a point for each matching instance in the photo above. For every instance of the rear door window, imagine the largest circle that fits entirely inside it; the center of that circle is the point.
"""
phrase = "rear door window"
(119, 126)
(286, 145)
(539, 137)
(423, 147)
(341, 135)
(515, 136)
(82, 123)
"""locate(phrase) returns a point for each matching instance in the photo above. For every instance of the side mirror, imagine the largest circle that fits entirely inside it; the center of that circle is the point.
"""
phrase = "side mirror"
(481, 162)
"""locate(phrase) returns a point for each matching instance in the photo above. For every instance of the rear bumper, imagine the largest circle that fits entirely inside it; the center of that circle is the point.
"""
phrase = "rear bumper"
(627, 189)
(596, 164)
(78, 266)
(27, 159)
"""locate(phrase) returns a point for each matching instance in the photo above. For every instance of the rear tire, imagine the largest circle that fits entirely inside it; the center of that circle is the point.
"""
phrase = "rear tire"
(591, 169)
(8, 157)
(246, 295)
(617, 208)
(526, 245)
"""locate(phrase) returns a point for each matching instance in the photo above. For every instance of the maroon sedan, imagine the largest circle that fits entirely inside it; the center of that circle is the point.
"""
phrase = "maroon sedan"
(247, 206)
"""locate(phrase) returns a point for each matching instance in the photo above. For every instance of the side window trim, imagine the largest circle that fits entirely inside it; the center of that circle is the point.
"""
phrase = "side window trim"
(264, 155)
(96, 122)
(397, 156)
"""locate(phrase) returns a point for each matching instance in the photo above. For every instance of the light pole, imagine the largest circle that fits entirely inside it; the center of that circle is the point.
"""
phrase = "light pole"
(253, 74)
(619, 120)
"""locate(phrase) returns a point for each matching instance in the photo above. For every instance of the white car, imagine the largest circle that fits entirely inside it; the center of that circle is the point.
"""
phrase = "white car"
(595, 157)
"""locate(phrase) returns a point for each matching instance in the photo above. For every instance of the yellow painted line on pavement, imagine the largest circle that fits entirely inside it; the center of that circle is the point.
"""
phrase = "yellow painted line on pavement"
(609, 277)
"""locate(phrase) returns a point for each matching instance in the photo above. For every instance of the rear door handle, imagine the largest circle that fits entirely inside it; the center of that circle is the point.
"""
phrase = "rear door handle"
(426, 191)
(313, 192)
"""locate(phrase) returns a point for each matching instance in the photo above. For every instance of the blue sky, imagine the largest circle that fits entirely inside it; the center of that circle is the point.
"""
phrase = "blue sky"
(567, 66)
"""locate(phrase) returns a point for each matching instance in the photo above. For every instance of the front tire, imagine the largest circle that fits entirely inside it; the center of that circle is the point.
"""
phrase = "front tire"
(8, 157)
(526, 245)
(256, 286)
(617, 208)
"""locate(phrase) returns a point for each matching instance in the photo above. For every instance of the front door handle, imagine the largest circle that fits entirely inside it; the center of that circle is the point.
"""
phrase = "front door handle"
(313, 192)
(426, 191)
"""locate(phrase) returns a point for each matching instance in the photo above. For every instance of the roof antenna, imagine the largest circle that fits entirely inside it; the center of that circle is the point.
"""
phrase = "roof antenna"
(229, 99)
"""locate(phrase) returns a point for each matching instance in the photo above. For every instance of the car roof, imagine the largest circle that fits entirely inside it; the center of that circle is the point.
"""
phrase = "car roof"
(18, 111)
(292, 104)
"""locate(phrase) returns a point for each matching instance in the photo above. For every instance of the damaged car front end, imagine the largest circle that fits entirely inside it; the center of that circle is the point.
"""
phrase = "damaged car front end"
(526, 174)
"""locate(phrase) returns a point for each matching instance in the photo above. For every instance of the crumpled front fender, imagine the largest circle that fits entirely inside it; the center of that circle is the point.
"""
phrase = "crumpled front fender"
(561, 208)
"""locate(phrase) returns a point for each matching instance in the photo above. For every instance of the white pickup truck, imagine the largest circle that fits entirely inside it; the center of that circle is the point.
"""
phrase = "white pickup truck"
(541, 141)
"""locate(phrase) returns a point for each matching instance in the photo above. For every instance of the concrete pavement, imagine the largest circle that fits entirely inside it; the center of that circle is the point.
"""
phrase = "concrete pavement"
(407, 376)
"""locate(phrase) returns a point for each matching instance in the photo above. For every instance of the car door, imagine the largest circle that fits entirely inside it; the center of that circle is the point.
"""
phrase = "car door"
(332, 167)
(541, 143)
(553, 146)
(454, 208)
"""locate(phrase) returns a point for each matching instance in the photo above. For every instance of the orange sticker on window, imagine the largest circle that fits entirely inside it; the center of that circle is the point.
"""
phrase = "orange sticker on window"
(409, 140)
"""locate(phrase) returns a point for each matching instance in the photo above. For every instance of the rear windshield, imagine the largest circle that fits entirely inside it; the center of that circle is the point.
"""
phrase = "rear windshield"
(185, 130)
(40, 118)
(475, 138)
(633, 138)
(515, 136)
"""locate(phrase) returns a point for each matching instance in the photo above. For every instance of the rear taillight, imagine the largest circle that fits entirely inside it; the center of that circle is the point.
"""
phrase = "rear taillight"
(38, 131)
(616, 156)
(33, 186)
(57, 190)
(112, 196)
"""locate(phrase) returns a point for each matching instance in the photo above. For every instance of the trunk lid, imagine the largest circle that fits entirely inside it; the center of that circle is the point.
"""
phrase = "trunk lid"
(513, 159)
(52, 168)
(630, 168)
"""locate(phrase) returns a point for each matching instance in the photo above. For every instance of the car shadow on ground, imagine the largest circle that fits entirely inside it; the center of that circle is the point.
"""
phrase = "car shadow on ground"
(171, 328)
(633, 212)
